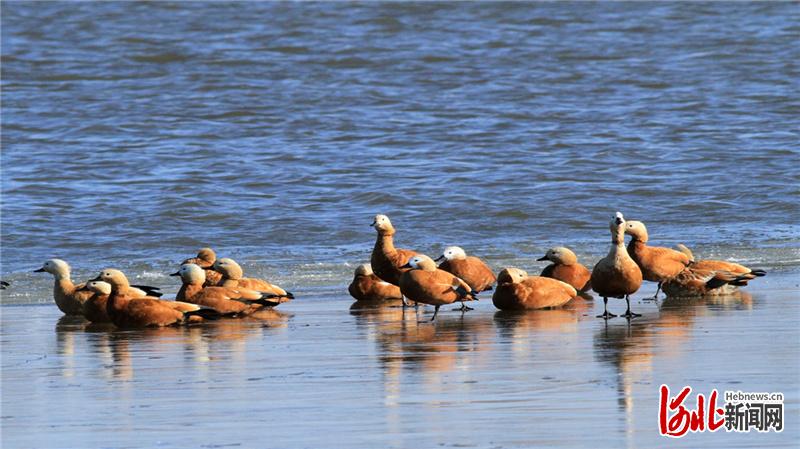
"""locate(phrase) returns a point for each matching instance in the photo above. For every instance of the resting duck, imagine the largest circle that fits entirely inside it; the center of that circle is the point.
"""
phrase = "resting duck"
(616, 275)
(232, 276)
(425, 283)
(694, 281)
(70, 297)
(126, 311)
(225, 300)
(368, 287)
(95, 308)
(205, 259)
(518, 291)
(472, 270)
(566, 268)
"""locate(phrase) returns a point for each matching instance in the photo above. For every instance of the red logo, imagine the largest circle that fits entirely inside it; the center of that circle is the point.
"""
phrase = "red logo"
(674, 419)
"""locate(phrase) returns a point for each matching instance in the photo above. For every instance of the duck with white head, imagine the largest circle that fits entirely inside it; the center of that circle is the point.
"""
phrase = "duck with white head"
(425, 283)
(471, 269)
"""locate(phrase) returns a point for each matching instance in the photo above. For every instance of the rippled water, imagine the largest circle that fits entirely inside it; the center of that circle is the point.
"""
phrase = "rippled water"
(135, 133)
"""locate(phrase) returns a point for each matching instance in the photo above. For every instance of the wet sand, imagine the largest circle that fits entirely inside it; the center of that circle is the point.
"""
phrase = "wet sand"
(320, 373)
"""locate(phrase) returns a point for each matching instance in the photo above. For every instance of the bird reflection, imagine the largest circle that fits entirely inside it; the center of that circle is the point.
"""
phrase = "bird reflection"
(120, 351)
(631, 346)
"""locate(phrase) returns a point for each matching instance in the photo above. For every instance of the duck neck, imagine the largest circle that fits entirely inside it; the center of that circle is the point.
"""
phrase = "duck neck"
(617, 243)
(117, 300)
(228, 282)
(64, 285)
(385, 242)
(187, 291)
(636, 245)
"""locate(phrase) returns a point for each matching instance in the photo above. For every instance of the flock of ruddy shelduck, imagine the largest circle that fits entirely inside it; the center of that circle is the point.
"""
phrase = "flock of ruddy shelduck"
(214, 288)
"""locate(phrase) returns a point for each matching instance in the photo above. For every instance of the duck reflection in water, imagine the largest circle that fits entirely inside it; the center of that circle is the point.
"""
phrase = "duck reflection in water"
(631, 347)
(120, 351)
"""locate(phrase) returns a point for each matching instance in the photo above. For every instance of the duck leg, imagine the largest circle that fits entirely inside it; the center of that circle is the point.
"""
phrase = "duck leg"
(464, 307)
(658, 289)
(605, 314)
(628, 313)
(435, 312)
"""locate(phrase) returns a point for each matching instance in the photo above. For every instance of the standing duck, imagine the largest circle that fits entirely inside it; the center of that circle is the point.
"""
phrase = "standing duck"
(225, 300)
(387, 261)
(232, 276)
(205, 259)
(518, 291)
(472, 270)
(656, 262)
(425, 283)
(616, 275)
(126, 311)
(566, 268)
(368, 287)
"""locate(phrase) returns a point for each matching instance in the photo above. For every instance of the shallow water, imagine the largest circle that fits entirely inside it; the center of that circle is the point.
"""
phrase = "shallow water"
(315, 374)
(135, 133)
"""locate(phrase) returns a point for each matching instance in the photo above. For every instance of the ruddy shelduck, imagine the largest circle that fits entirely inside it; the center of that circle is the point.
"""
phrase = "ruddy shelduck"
(69, 297)
(366, 286)
(471, 269)
(425, 283)
(518, 291)
(721, 265)
(205, 259)
(233, 277)
(693, 281)
(656, 262)
(616, 275)
(95, 309)
(386, 260)
(127, 311)
(225, 300)
(566, 268)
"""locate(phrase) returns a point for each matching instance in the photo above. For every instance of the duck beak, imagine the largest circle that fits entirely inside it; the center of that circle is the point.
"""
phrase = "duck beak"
(95, 279)
(177, 273)
(543, 258)
(439, 258)
(374, 223)
(408, 265)
(40, 270)
(85, 288)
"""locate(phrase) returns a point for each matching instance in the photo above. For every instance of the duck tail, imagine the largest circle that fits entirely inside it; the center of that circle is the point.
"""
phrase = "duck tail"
(272, 300)
(758, 272)
(204, 312)
(149, 290)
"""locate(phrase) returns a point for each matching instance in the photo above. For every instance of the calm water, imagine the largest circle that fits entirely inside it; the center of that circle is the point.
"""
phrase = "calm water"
(317, 375)
(133, 134)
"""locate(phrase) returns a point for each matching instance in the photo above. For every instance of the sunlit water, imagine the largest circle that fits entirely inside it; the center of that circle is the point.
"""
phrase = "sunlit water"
(316, 374)
(133, 134)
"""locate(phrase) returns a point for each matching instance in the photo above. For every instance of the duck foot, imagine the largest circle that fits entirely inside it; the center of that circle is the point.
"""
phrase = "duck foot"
(606, 315)
(464, 308)
(630, 314)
